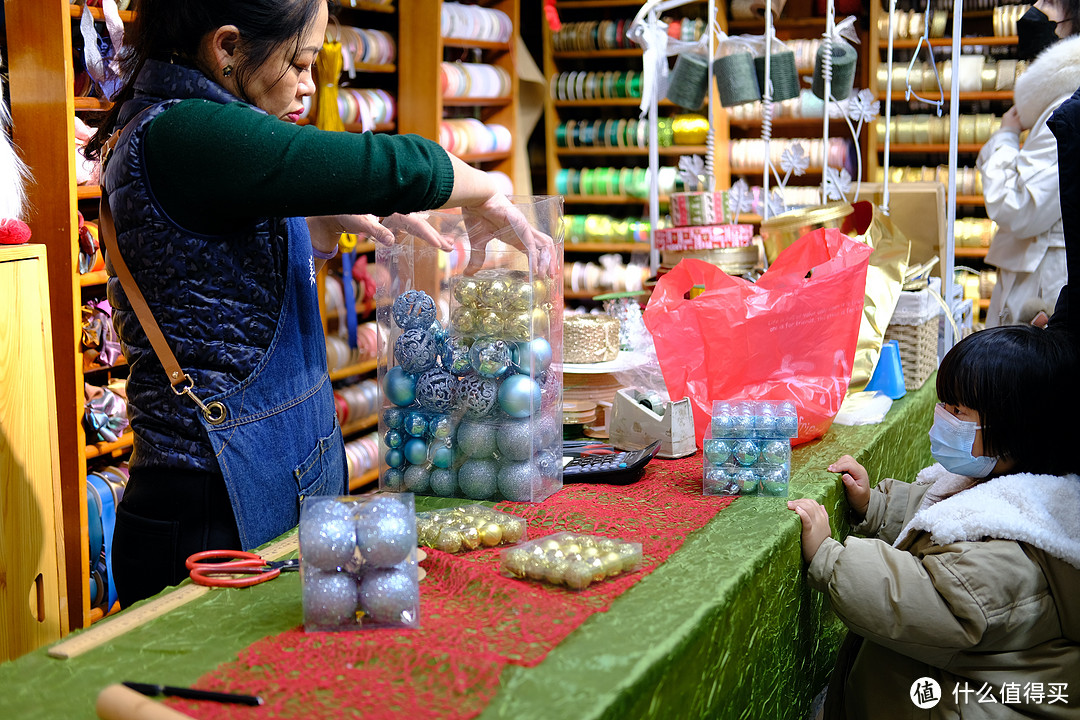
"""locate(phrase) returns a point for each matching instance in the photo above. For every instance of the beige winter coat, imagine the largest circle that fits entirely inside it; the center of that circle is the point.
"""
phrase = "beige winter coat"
(976, 587)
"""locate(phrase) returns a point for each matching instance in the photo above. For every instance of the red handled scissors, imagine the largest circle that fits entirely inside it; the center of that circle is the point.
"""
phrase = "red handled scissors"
(217, 568)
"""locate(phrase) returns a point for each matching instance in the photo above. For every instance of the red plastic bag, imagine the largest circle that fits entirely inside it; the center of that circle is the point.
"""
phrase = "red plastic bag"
(791, 336)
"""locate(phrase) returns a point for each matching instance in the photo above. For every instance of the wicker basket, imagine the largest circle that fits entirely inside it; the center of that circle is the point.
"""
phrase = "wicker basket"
(918, 350)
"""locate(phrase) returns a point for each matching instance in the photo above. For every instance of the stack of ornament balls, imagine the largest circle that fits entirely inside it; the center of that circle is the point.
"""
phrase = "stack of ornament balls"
(468, 527)
(474, 407)
(358, 562)
(575, 561)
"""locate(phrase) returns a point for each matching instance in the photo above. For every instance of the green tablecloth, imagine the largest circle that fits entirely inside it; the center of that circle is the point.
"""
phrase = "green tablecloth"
(726, 628)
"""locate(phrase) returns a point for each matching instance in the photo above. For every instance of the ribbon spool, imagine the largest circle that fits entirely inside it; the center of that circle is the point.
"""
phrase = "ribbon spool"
(736, 79)
(784, 74)
(844, 58)
(689, 81)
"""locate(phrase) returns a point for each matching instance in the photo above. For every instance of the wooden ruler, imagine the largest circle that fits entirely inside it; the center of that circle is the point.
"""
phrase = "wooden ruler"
(111, 628)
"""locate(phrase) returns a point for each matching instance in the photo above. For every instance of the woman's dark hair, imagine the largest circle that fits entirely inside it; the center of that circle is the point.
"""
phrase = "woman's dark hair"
(1072, 13)
(1023, 381)
(171, 30)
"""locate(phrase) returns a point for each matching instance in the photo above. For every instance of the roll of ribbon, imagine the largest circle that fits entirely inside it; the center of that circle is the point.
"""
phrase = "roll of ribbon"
(689, 81)
(844, 60)
(784, 74)
(736, 79)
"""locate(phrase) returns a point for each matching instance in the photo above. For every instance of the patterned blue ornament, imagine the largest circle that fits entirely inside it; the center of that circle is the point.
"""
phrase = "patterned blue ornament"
(490, 357)
(399, 386)
(416, 350)
(415, 451)
(478, 395)
(393, 416)
(518, 481)
(477, 479)
(395, 458)
(532, 357)
(476, 440)
(393, 479)
(330, 599)
(416, 424)
(328, 535)
(417, 478)
(443, 482)
(436, 390)
(393, 439)
(455, 355)
(390, 596)
(414, 309)
(519, 396)
(385, 531)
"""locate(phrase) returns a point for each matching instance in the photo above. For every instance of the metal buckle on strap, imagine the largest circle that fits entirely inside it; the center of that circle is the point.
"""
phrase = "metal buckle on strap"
(214, 412)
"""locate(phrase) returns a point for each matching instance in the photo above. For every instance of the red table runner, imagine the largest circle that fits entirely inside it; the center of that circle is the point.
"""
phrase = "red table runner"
(474, 620)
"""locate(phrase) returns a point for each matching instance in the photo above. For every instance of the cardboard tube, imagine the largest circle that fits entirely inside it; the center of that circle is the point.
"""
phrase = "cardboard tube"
(116, 702)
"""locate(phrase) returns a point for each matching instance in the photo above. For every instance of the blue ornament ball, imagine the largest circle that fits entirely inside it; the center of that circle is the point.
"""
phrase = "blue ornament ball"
(417, 478)
(328, 535)
(454, 355)
(392, 416)
(490, 357)
(416, 350)
(385, 531)
(748, 481)
(393, 439)
(519, 395)
(395, 458)
(515, 439)
(399, 386)
(532, 357)
(436, 390)
(415, 451)
(441, 427)
(441, 456)
(330, 599)
(393, 479)
(443, 482)
(477, 479)
(390, 596)
(415, 423)
(745, 452)
(518, 481)
(717, 450)
(478, 395)
(414, 309)
(476, 440)
(777, 452)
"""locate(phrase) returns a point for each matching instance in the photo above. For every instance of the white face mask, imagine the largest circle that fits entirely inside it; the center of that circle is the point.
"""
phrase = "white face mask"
(951, 442)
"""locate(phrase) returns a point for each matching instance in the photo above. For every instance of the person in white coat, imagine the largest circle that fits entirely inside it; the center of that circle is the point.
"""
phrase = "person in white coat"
(1020, 183)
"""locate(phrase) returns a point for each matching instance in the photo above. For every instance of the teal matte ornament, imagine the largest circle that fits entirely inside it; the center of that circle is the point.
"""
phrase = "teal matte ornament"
(477, 479)
(519, 396)
(532, 357)
(443, 482)
(395, 458)
(399, 386)
(441, 456)
(416, 451)
(518, 481)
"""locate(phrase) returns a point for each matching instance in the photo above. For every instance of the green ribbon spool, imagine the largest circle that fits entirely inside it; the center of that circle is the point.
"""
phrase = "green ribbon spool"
(785, 76)
(736, 80)
(689, 81)
(844, 59)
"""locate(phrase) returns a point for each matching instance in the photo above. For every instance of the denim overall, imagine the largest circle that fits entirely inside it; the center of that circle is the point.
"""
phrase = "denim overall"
(280, 440)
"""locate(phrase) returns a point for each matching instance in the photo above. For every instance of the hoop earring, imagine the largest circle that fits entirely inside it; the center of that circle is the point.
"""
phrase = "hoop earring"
(227, 70)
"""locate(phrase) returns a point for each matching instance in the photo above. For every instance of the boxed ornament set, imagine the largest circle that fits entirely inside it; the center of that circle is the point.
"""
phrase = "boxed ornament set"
(748, 451)
(358, 566)
(469, 527)
(472, 371)
(573, 560)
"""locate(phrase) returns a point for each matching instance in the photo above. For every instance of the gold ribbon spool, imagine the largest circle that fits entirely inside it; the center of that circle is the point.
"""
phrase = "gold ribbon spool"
(690, 129)
(967, 129)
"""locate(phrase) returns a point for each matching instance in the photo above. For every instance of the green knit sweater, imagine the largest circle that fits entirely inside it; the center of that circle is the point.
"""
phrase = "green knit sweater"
(214, 167)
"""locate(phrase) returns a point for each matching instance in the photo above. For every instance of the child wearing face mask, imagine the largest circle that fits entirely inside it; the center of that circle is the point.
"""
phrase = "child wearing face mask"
(969, 576)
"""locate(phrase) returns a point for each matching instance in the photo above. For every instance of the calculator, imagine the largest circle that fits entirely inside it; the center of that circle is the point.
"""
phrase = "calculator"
(600, 463)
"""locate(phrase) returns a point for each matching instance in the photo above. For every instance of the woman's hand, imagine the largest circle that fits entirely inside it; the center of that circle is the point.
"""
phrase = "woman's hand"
(325, 230)
(1011, 120)
(815, 525)
(856, 484)
(497, 216)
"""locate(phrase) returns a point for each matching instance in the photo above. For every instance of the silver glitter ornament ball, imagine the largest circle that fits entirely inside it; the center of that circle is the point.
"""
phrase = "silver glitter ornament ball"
(477, 479)
(328, 534)
(478, 396)
(391, 595)
(414, 309)
(436, 390)
(518, 481)
(515, 439)
(417, 478)
(330, 599)
(416, 350)
(385, 531)
(393, 479)
(443, 482)
(476, 440)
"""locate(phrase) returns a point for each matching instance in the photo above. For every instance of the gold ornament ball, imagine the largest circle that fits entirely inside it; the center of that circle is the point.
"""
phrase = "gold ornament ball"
(515, 561)
(449, 540)
(517, 325)
(590, 552)
(597, 566)
(470, 537)
(549, 545)
(540, 291)
(493, 293)
(489, 322)
(541, 325)
(428, 533)
(519, 296)
(557, 572)
(586, 541)
(513, 530)
(491, 535)
(572, 548)
(606, 544)
(539, 566)
(578, 576)
(613, 563)
(631, 556)
(463, 320)
(467, 292)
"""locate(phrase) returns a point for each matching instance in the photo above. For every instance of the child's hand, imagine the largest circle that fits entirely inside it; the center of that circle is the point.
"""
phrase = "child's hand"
(856, 484)
(815, 525)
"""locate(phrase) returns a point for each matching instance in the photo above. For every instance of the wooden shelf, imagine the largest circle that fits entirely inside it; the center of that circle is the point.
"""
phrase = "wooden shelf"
(784, 123)
(368, 6)
(598, 54)
(376, 67)
(970, 200)
(365, 423)
(77, 11)
(88, 192)
(361, 368)
(476, 101)
(113, 448)
(371, 477)
(669, 150)
(362, 309)
(606, 200)
(1004, 95)
(484, 157)
(947, 42)
(90, 279)
(467, 44)
(970, 252)
(909, 148)
(630, 247)
(757, 27)
(607, 102)
(92, 104)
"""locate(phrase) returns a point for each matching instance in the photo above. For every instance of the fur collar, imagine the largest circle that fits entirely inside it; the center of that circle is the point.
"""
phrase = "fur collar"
(1050, 78)
(1040, 510)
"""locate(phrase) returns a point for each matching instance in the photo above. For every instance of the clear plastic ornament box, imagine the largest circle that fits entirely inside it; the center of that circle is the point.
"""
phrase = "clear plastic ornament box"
(471, 402)
(358, 562)
(749, 448)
